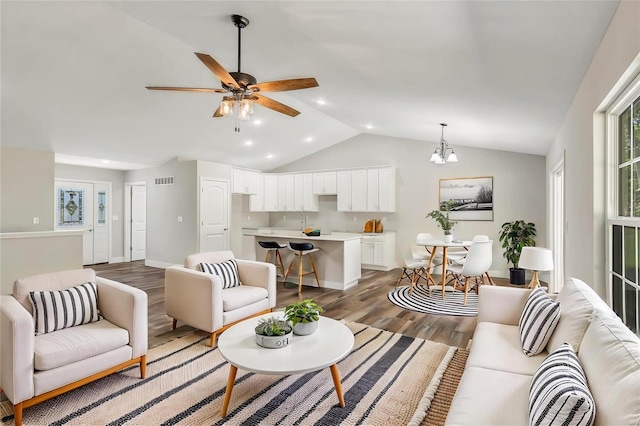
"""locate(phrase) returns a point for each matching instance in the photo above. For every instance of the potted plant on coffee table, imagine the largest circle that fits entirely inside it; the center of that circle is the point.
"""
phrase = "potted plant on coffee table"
(514, 236)
(273, 333)
(304, 316)
(443, 220)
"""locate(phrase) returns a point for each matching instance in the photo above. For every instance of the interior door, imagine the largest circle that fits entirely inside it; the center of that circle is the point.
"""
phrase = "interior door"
(74, 210)
(138, 222)
(214, 215)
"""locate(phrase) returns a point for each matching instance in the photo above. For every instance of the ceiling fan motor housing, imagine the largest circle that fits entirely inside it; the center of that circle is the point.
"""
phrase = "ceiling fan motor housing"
(243, 79)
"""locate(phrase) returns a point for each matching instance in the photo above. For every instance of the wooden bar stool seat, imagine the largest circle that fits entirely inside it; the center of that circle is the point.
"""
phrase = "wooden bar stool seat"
(300, 250)
(274, 247)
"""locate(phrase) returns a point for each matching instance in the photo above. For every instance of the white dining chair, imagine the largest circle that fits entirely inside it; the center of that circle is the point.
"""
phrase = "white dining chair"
(477, 263)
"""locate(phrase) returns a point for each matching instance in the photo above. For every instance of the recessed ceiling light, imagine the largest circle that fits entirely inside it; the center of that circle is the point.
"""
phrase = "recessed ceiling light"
(248, 143)
(105, 161)
(257, 122)
(269, 155)
(309, 139)
(369, 126)
(321, 102)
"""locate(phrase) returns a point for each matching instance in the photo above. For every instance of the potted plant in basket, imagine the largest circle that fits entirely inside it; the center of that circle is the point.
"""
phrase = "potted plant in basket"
(514, 236)
(273, 333)
(304, 316)
(443, 220)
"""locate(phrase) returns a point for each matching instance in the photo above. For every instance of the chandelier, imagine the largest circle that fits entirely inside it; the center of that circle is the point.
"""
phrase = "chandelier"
(443, 154)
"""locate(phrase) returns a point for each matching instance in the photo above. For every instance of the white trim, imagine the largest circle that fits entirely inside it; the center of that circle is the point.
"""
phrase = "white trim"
(40, 234)
(127, 217)
(158, 264)
(557, 220)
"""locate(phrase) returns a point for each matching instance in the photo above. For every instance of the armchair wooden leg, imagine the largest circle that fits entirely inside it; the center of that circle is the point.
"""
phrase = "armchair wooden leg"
(175, 323)
(143, 366)
(214, 335)
(17, 414)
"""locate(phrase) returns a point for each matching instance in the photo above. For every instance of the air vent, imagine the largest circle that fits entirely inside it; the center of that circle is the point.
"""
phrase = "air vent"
(164, 180)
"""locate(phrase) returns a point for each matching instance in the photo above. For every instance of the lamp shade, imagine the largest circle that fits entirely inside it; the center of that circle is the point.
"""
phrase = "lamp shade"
(536, 259)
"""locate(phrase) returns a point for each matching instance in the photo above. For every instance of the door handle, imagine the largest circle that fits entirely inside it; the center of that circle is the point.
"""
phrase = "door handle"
(225, 229)
(90, 230)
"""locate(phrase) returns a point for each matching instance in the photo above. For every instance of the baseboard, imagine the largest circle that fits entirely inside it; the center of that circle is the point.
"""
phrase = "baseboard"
(116, 259)
(158, 264)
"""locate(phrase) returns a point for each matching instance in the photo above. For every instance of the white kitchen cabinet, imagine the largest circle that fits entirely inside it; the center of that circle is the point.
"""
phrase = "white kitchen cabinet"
(381, 189)
(270, 193)
(378, 251)
(324, 183)
(304, 199)
(286, 193)
(256, 201)
(352, 190)
(244, 181)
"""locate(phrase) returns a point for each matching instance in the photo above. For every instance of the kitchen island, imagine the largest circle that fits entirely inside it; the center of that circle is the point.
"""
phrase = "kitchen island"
(337, 261)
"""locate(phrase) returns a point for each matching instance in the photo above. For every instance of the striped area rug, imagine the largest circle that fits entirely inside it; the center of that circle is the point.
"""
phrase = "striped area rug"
(388, 379)
(430, 302)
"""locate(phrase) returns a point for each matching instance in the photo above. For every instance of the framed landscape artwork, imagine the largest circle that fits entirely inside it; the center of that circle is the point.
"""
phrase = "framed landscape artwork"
(471, 198)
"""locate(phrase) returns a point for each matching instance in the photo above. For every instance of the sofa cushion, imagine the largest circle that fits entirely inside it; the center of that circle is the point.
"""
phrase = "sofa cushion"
(578, 301)
(537, 322)
(237, 297)
(610, 357)
(73, 344)
(55, 310)
(559, 393)
(227, 271)
(497, 346)
(490, 397)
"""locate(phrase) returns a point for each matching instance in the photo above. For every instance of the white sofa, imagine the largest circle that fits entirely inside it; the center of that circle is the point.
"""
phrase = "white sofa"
(199, 300)
(36, 368)
(494, 388)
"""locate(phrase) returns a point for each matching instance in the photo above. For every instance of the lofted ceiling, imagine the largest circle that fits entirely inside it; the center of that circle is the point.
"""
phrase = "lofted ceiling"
(502, 74)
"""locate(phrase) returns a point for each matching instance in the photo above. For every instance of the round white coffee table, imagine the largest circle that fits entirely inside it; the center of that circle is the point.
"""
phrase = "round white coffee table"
(331, 342)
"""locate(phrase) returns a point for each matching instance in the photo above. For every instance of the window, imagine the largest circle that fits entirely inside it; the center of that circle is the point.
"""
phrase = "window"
(624, 220)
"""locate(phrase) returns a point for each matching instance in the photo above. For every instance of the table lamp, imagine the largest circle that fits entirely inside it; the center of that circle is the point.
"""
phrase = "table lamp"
(536, 259)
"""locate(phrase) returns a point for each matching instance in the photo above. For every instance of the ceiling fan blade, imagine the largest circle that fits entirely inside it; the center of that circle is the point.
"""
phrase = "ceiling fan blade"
(283, 85)
(274, 105)
(187, 89)
(218, 113)
(218, 70)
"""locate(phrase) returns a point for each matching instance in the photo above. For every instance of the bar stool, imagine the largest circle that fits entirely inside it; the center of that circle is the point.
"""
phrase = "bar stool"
(300, 250)
(273, 247)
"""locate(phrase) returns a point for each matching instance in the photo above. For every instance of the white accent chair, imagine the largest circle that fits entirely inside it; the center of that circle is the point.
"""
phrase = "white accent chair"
(477, 262)
(416, 266)
(37, 368)
(197, 298)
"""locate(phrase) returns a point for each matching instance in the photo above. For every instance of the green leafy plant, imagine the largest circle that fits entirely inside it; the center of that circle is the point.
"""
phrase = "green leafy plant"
(443, 218)
(514, 236)
(304, 311)
(273, 327)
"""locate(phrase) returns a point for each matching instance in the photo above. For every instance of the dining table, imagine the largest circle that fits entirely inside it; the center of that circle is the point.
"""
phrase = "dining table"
(433, 245)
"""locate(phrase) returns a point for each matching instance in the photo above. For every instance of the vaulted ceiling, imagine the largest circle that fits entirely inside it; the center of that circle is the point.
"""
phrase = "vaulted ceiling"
(502, 74)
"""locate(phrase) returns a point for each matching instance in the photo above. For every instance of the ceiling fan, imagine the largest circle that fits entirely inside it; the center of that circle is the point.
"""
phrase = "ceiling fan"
(243, 88)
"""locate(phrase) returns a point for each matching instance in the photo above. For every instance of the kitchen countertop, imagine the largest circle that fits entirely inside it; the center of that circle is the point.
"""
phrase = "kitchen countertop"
(281, 233)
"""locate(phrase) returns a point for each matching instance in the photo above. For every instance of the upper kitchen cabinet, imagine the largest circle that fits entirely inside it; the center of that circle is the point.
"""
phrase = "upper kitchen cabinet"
(324, 183)
(244, 181)
(265, 198)
(286, 193)
(304, 199)
(381, 190)
(352, 190)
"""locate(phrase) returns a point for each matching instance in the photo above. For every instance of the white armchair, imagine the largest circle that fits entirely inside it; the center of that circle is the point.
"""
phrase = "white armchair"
(199, 300)
(34, 368)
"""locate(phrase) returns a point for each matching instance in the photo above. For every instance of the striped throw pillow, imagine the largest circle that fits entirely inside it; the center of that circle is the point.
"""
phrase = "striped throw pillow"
(539, 318)
(55, 310)
(559, 394)
(227, 271)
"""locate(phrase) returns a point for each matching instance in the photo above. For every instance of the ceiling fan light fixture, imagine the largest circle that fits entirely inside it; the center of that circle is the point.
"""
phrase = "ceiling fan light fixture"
(226, 106)
(246, 106)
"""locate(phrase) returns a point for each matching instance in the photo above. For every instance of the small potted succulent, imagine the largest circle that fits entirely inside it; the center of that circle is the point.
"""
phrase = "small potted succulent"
(304, 316)
(273, 333)
(443, 220)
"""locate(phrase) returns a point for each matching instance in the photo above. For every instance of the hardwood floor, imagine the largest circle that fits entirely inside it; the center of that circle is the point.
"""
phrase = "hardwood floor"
(366, 303)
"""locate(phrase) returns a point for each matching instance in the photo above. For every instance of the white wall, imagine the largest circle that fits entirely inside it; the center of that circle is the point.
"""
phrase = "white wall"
(582, 138)
(518, 185)
(116, 177)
